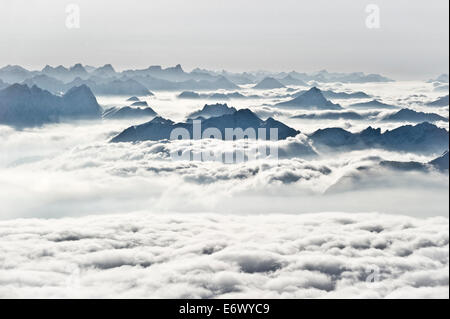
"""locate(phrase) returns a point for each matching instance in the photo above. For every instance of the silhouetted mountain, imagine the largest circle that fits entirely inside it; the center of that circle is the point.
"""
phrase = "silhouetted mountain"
(64, 74)
(441, 163)
(114, 87)
(312, 99)
(337, 95)
(239, 78)
(214, 96)
(80, 102)
(374, 104)
(127, 112)
(343, 95)
(156, 84)
(221, 83)
(269, 83)
(78, 70)
(122, 87)
(355, 77)
(60, 73)
(15, 74)
(159, 128)
(3, 84)
(21, 106)
(321, 76)
(408, 115)
(442, 101)
(47, 83)
(326, 77)
(133, 99)
(190, 95)
(404, 166)
(173, 74)
(421, 138)
(139, 103)
(289, 80)
(99, 87)
(212, 110)
(105, 71)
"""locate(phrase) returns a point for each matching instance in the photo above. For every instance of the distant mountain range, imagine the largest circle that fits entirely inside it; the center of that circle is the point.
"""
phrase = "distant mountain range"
(22, 106)
(160, 128)
(334, 115)
(215, 96)
(329, 94)
(290, 80)
(128, 112)
(421, 138)
(107, 80)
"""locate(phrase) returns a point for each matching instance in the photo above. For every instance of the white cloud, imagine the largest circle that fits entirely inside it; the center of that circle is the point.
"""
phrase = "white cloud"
(146, 255)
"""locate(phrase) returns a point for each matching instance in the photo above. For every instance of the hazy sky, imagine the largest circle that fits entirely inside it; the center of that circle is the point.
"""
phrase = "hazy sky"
(411, 43)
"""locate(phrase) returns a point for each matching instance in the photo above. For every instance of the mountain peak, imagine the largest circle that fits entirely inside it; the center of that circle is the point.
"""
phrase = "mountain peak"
(107, 67)
(83, 88)
(314, 90)
(212, 110)
(311, 99)
(245, 113)
(161, 120)
(78, 68)
(269, 83)
(16, 89)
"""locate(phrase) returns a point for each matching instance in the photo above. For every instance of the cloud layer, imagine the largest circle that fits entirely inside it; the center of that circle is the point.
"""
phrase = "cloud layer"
(141, 255)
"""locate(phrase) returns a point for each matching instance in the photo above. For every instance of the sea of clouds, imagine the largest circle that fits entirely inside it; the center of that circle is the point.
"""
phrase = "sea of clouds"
(127, 221)
(141, 255)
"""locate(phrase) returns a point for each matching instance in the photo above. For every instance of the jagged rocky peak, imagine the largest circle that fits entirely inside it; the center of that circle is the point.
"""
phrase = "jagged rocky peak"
(77, 66)
(161, 120)
(81, 102)
(177, 68)
(106, 70)
(22, 106)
